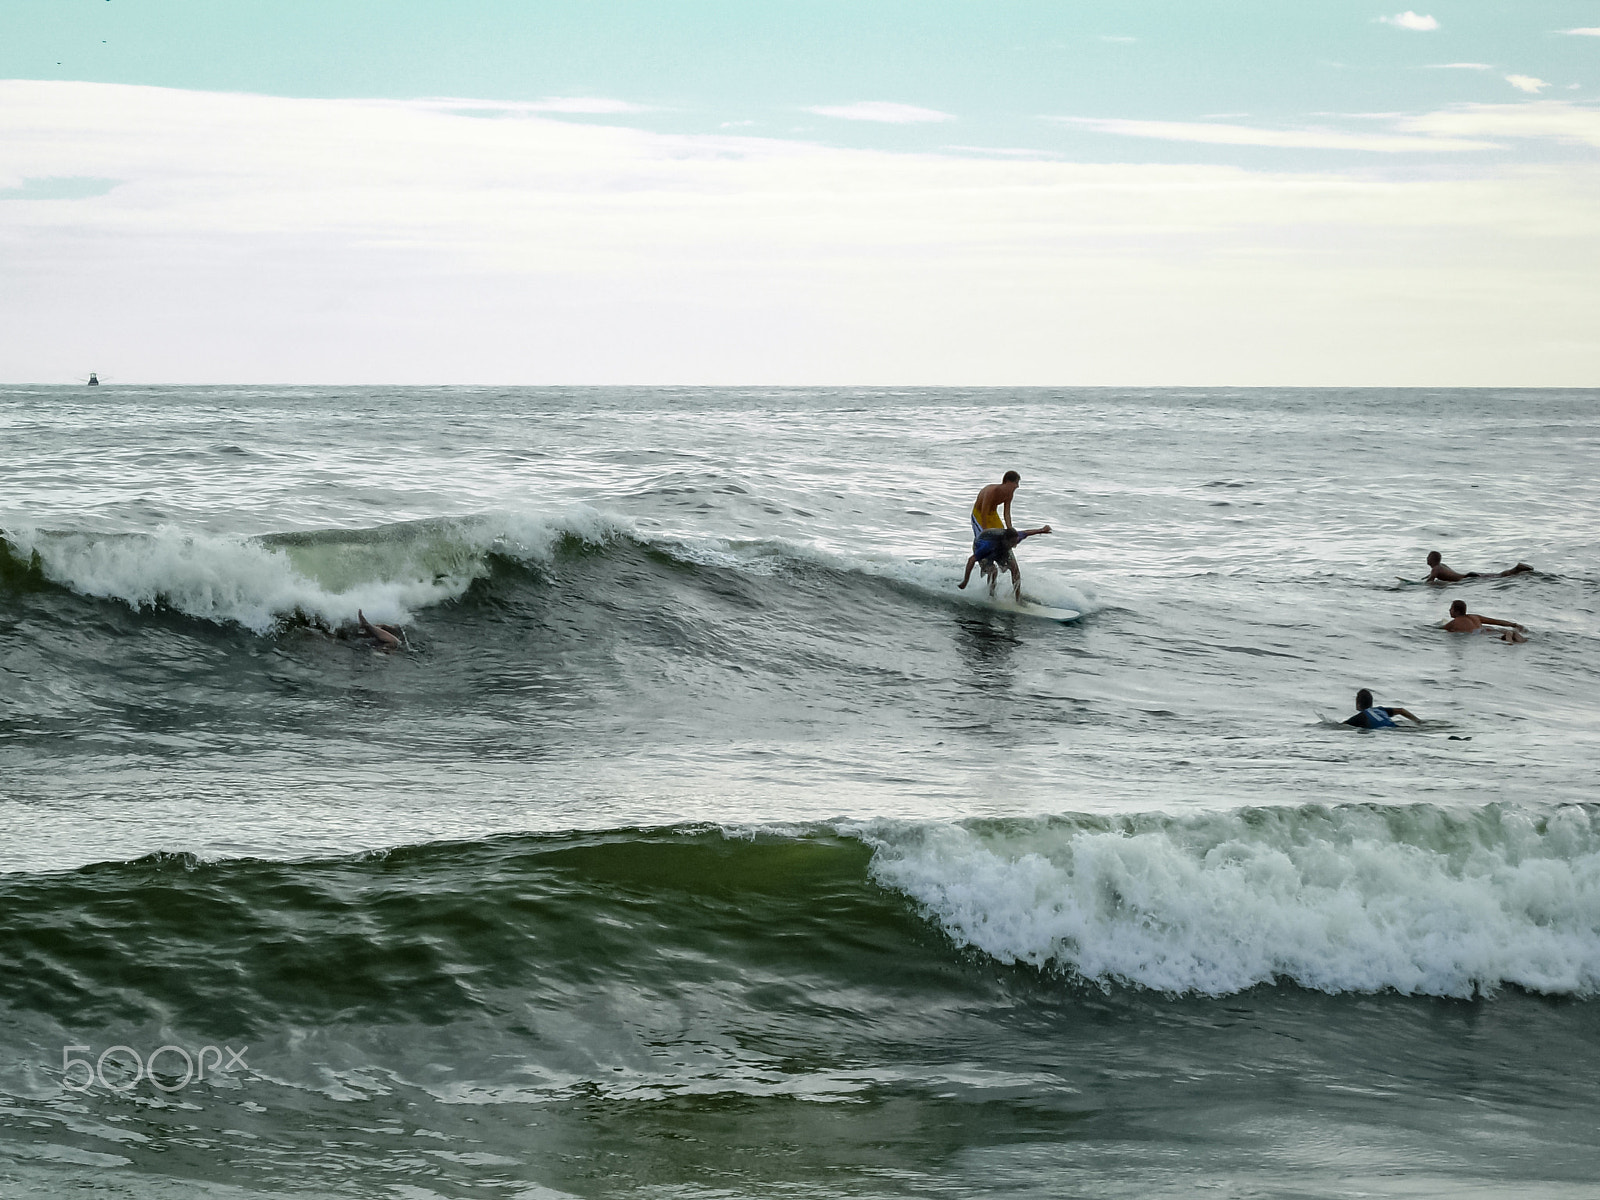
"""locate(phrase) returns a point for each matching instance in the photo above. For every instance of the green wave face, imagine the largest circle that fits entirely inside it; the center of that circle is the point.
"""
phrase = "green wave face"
(640, 1010)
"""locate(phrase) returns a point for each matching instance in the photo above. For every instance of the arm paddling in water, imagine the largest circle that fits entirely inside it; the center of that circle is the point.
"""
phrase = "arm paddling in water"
(1461, 621)
(1377, 716)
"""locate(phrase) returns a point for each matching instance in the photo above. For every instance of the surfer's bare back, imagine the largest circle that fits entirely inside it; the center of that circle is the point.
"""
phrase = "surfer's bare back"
(1439, 572)
(1461, 621)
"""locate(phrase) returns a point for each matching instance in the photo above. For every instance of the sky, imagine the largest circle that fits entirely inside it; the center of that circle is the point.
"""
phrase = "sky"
(797, 192)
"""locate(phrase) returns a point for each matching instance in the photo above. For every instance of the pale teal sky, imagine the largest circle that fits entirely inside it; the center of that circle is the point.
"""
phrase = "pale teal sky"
(800, 191)
(997, 69)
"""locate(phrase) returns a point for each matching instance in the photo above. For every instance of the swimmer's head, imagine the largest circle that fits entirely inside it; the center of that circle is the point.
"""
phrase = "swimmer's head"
(1363, 699)
(1434, 558)
(1011, 477)
(1458, 608)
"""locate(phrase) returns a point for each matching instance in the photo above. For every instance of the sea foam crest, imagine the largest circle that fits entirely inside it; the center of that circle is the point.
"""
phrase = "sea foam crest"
(1418, 900)
(323, 576)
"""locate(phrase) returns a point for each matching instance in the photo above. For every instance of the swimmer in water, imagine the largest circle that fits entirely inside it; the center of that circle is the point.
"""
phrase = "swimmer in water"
(993, 549)
(384, 637)
(1377, 716)
(1461, 621)
(1438, 572)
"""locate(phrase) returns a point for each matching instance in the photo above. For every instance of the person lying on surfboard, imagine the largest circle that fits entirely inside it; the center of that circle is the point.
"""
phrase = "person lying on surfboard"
(1377, 716)
(992, 548)
(1438, 572)
(1461, 621)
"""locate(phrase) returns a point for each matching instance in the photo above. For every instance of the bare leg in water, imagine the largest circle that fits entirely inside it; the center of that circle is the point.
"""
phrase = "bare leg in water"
(386, 636)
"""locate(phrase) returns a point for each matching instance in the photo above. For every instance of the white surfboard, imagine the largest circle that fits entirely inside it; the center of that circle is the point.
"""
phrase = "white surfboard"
(1027, 608)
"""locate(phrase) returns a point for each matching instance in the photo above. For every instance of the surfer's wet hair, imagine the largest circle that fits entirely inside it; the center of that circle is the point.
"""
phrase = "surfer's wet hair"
(1011, 477)
(1458, 608)
(1433, 558)
(1363, 699)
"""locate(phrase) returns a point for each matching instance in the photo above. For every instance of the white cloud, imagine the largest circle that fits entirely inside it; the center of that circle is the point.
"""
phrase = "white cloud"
(596, 105)
(881, 110)
(1289, 139)
(1527, 83)
(561, 105)
(1591, 31)
(1545, 120)
(293, 240)
(1411, 20)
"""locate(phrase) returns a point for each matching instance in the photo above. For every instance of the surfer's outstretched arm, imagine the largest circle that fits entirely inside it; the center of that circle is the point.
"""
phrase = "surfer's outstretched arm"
(1498, 621)
(1396, 711)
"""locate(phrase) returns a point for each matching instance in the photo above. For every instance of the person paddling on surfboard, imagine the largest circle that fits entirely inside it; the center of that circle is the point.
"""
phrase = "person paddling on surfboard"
(1461, 621)
(993, 548)
(1377, 716)
(1440, 572)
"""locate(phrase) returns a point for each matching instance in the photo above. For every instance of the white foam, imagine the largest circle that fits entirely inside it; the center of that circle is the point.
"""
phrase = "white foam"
(391, 571)
(1355, 899)
(257, 583)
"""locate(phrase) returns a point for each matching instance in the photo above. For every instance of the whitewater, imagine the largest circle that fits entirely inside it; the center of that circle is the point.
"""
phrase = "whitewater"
(703, 837)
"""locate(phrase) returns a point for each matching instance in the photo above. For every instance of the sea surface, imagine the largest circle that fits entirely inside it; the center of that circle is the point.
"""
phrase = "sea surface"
(704, 840)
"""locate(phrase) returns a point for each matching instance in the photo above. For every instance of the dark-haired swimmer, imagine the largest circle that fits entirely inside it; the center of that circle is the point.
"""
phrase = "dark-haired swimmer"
(1438, 572)
(1461, 621)
(993, 548)
(1377, 716)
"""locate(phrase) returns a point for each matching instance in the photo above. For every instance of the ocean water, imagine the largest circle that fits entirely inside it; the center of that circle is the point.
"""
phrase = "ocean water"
(704, 840)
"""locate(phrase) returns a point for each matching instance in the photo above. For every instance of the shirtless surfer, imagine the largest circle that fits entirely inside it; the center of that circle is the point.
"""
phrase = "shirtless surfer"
(1461, 621)
(1377, 716)
(991, 499)
(992, 511)
(1439, 572)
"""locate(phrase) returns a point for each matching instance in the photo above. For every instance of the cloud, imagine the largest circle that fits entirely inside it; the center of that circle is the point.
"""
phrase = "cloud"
(1591, 31)
(1527, 83)
(881, 110)
(310, 240)
(1411, 20)
(1287, 139)
(560, 105)
(1545, 120)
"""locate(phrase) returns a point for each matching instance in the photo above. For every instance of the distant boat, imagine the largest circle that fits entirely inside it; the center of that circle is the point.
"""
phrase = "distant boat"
(94, 380)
